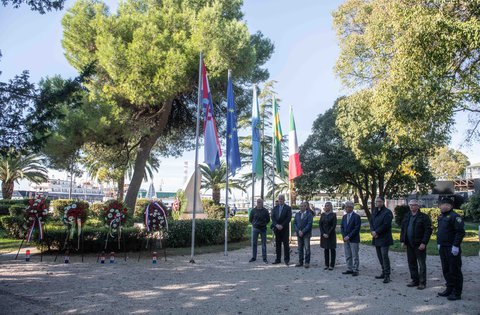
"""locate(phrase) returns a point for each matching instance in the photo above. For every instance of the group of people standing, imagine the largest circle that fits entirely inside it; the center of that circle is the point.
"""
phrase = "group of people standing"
(416, 230)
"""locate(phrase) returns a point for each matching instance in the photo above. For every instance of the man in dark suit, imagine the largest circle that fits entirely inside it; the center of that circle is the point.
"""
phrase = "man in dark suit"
(350, 228)
(303, 229)
(281, 217)
(415, 234)
(381, 227)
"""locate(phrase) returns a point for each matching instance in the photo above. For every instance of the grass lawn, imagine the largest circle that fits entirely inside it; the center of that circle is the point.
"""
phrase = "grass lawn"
(8, 244)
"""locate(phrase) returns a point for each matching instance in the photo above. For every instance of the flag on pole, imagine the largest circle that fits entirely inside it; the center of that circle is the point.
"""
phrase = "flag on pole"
(233, 152)
(294, 167)
(212, 149)
(277, 140)
(257, 165)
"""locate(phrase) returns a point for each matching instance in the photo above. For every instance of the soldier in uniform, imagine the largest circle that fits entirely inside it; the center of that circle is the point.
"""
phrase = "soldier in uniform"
(449, 237)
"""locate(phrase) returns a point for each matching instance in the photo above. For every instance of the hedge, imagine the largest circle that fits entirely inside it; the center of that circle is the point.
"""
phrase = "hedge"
(207, 232)
(5, 204)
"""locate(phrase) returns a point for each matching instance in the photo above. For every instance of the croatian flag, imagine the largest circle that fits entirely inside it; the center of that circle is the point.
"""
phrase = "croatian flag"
(212, 152)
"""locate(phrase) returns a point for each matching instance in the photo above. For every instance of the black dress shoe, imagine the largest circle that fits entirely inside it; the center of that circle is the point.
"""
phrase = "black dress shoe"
(446, 292)
(421, 287)
(382, 276)
(348, 272)
(252, 260)
(355, 274)
(454, 297)
(287, 263)
(276, 262)
(386, 279)
(412, 284)
(326, 268)
(299, 265)
(265, 261)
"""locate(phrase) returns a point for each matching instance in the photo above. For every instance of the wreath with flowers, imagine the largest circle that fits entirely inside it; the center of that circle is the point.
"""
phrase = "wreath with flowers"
(36, 212)
(155, 217)
(74, 215)
(115, 214)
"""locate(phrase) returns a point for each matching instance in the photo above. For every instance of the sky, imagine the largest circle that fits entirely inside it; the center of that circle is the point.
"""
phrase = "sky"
(305, 53)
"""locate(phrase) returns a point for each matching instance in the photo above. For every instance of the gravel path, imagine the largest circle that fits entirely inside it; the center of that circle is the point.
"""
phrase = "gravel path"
(226, 285)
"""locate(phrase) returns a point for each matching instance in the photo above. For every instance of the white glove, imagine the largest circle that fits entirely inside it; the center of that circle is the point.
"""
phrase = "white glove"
(455, 250)
(438, 246)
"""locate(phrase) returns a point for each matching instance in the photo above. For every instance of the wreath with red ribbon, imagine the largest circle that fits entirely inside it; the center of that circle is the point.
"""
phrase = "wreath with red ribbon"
(115, 214)
(155, 217)
(74, 212)
(36, 212)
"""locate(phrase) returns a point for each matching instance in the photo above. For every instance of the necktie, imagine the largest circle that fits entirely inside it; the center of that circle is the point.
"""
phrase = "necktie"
(301, 217)
(348, 218)
(280, 208)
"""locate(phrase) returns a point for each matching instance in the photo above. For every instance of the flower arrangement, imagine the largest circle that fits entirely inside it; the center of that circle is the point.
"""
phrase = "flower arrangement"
(115, 214)
(155, 217)
(36, 212)
(74, 213)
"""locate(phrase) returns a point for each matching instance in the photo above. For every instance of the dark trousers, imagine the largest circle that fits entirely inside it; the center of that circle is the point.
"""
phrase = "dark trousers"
(382, 254)
(263, 236)
(417, 258)
(452, 269)
(330, 257)
(304, 246)
(281, 237)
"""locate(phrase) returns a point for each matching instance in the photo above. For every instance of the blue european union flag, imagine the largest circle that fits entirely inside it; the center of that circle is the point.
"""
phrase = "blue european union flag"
(233, 152)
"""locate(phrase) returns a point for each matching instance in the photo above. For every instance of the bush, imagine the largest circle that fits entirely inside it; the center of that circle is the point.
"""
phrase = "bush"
(14, 226)
(400, 213)
(472, 208)
(96, 210)
(213, 210)
(5, 204)
(17, 210)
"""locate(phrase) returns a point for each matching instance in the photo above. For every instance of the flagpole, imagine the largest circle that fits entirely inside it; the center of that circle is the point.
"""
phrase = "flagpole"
(226, 186)
(273, 153)
(197, 132)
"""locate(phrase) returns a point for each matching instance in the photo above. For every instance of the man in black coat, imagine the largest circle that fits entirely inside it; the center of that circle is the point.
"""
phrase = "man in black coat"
(415, 234)
(450, 234)
(281, 217)
(381, 227)
(259, 218)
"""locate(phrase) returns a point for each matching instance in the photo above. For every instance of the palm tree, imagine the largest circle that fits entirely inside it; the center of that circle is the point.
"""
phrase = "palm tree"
(217, 180)
(15, 166)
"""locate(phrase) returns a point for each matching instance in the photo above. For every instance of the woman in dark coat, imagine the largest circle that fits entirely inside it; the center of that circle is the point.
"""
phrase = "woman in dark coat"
(328, 237)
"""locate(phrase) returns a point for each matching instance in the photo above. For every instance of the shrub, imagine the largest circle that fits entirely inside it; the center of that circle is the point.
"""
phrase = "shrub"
(14, 226)
(96, 210)
(5, 204)
(17, 210)
(213, 210)
(400, 213)
(472, 208)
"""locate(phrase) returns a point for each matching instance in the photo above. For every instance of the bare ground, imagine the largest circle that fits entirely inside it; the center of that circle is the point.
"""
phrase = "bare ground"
(218, 284)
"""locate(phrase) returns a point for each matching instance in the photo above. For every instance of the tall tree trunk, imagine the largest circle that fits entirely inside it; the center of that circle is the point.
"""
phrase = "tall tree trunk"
(216, 195)
(120, 187)
(143, 152)
(7, 189)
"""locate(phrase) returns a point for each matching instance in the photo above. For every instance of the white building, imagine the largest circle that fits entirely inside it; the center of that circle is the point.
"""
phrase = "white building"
(59, 189)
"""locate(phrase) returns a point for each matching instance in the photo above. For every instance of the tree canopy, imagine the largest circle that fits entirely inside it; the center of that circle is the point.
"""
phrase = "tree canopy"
(146, 62)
